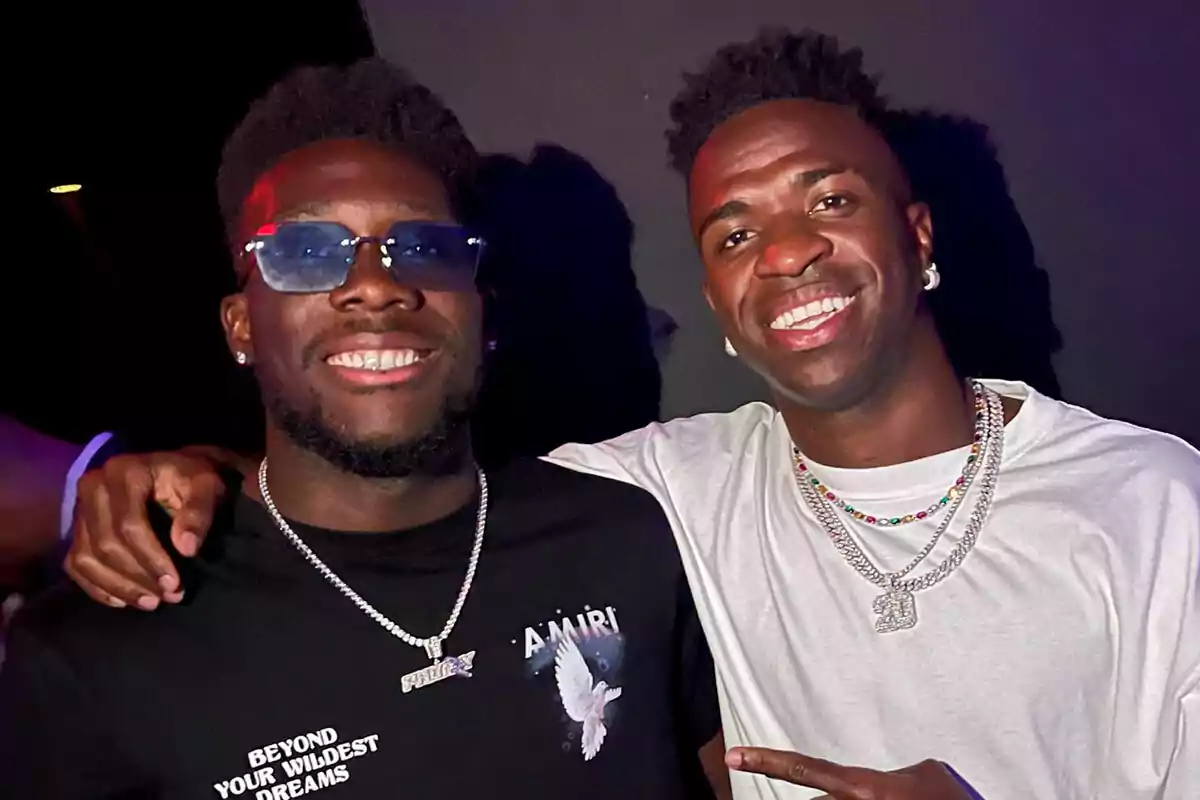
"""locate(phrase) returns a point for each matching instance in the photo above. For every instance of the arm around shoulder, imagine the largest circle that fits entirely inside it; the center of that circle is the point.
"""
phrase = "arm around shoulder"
(33, 472)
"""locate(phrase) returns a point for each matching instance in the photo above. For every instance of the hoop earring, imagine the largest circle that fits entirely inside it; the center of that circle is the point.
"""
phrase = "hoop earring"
(933, 278)
(240, 357)
(729, 351)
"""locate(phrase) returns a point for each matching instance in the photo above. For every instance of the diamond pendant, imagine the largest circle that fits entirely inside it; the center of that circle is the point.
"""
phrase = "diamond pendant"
(438, 671)
(433, 649)
(897, 610)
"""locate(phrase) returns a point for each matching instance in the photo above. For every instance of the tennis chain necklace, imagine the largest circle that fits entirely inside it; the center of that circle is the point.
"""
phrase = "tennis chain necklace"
(442, 667)
(958, 487)
(896, 608)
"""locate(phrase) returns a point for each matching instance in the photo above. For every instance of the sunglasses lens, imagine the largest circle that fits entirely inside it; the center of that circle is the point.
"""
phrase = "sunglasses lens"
(432, 255)
(305, 257)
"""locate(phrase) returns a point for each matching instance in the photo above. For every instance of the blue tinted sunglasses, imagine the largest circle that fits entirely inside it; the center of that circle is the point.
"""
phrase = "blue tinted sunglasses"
(303, 257)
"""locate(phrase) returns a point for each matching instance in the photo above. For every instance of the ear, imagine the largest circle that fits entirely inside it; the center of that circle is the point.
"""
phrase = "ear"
(235, 319)
(920, 222)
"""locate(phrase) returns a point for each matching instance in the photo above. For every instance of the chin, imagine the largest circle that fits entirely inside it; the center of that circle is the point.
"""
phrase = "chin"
(821, 387)
(386, 430)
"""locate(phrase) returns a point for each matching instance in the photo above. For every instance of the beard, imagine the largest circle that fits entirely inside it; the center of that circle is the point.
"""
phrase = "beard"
(443, 448)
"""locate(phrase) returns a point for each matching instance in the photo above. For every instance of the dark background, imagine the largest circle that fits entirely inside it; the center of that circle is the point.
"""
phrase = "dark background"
(1080, 245)
(113, 291)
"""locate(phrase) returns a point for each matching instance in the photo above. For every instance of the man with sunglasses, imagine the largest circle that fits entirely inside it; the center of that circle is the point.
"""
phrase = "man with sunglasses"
(378, 614)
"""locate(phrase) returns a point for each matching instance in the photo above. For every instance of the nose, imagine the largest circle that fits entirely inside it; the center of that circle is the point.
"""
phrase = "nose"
(370, 286)
(790, 250)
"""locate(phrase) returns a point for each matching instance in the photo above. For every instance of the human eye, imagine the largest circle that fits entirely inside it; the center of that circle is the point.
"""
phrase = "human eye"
(837, 201)
(735, 239)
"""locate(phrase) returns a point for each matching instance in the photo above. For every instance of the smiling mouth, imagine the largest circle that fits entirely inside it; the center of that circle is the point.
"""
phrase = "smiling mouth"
(367, 368)
(377, 360)
(813, 314)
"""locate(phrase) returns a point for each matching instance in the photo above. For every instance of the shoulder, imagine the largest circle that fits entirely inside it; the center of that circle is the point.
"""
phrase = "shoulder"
(542, 492)
(1139, 489)
(1119, 456)
(64, 622)
(704, 446)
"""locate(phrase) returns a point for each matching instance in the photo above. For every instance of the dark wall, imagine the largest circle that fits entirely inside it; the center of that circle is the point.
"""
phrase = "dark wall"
(1089, 105)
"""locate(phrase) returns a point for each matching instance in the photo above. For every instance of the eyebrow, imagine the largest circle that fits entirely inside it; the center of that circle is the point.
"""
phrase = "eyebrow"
(804, 180)
(811, 177)
(730, 209)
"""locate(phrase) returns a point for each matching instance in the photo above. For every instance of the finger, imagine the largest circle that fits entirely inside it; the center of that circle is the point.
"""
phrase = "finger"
(87, 571)
(192, 500)
(101, 581)
(97, 541)
(105, 543)
(92, 590)
(128, 492)
(795, 768)
(80, 539)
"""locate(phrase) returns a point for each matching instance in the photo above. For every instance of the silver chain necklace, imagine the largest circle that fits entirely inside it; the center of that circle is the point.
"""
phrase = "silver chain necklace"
(432, 644)
(896, 608)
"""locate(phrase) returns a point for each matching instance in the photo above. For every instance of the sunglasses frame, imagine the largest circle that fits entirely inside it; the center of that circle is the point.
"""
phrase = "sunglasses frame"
(258, 241)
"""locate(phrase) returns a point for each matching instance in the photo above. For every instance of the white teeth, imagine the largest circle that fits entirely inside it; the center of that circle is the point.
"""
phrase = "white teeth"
(374, 360)
(810, 315)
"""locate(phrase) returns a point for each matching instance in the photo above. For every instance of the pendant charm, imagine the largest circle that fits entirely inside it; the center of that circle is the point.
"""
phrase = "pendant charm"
(897, 610)
(438, 671)
(433, 649)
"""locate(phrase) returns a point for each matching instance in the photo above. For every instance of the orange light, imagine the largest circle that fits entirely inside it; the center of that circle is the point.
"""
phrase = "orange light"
(66, 188)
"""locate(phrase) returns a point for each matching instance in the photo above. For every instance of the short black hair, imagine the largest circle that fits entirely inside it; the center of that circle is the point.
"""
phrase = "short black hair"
(370, 100)
(775, 65)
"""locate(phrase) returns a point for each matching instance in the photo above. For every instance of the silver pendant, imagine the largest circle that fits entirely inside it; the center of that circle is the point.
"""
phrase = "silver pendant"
(897, 610)
(438, 671)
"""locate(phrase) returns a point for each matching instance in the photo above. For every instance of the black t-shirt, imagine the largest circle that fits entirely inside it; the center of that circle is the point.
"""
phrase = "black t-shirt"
(269, 683)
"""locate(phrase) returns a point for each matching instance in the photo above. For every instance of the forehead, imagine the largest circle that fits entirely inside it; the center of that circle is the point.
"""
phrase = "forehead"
(782, 136)
(344, 171)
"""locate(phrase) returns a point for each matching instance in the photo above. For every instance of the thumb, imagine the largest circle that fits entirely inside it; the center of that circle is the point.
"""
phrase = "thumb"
(190, 528)
(191, 500)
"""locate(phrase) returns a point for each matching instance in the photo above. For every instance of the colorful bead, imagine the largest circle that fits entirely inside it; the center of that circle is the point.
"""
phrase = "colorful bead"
(968, 472)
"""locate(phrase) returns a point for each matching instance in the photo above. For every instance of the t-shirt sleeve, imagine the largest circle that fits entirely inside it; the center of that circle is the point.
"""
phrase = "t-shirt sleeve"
(698, 711)
(1183, 778)
(52, 741)
(674, 460)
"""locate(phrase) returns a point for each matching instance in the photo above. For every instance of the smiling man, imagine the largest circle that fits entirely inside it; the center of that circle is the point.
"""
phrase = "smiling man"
(893, 563)
(556, 649)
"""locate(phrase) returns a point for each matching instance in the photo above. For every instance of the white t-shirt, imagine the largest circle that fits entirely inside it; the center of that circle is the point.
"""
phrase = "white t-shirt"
(1060, 661)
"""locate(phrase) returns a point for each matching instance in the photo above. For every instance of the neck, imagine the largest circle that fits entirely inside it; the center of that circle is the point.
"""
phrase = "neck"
(921, 409)
(308, 489)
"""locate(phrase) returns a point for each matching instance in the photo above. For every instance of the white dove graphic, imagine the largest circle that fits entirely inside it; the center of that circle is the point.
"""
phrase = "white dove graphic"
(582, 701)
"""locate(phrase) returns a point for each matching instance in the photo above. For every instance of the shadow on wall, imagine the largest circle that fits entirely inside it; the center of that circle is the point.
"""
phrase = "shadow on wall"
(993, 305)
(574, 360)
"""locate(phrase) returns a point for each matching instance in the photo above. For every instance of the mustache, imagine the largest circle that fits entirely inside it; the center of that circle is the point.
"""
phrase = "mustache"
(311, 352)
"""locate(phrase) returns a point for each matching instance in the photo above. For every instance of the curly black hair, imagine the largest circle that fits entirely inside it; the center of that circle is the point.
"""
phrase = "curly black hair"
(370, 99)
(775, 65)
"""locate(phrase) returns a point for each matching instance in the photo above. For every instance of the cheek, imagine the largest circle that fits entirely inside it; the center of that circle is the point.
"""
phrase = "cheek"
(898, 290)
(725, 289)
(277, 329)
(462, 314)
